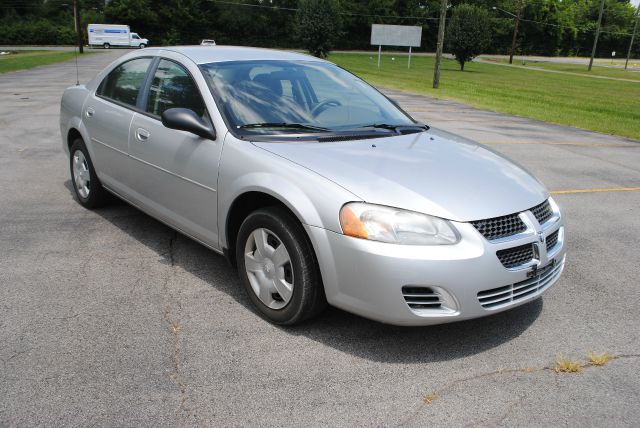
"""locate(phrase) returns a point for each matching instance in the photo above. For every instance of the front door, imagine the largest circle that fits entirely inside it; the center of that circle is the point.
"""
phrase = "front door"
(174, 173)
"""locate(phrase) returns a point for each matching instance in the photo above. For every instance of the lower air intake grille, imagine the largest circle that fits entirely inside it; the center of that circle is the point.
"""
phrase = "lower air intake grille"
(516, 256)
(421, 297)
(504, 296)
(552, 240)
(542, 212)
(499, 227)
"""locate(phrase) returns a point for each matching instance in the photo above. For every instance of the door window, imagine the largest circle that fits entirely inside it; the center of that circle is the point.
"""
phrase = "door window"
(124, 82)
(173, 87)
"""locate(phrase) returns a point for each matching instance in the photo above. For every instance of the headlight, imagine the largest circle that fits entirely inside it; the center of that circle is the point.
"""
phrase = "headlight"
(396, 226)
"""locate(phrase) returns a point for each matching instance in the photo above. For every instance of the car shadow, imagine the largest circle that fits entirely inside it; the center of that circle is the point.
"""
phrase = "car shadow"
(335, 328)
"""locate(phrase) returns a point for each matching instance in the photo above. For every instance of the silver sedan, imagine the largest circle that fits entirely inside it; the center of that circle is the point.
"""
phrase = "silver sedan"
(315, 185)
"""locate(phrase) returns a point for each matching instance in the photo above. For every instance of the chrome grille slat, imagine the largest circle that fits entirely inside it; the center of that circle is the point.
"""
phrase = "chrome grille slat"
(497, 297)
(503, 296)
(494, 292)
(421, 297)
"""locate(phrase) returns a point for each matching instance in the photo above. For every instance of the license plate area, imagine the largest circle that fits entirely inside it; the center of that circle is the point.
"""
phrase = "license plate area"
(541, 271)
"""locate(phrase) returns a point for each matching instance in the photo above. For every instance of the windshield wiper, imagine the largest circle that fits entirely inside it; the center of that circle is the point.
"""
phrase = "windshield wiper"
(283, 125)
(396, 127)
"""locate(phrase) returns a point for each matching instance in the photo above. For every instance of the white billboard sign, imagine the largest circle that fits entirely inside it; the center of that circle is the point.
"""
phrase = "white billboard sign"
(396, 35)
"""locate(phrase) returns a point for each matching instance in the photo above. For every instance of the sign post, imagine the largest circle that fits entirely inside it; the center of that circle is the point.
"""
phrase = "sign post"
(395, 35)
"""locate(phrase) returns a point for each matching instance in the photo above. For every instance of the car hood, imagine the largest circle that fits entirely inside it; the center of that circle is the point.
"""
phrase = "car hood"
(432, 172)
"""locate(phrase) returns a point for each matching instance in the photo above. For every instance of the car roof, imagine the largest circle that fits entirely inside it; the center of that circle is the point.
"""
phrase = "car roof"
(206, 54)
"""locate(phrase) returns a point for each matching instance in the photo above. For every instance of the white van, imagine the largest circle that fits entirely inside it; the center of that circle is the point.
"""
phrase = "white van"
(108, 35)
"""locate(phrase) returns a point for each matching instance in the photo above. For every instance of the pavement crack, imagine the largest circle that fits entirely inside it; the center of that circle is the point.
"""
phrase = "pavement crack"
(14, 355)
(500, 418)
(171, 316)
(499, 372)
(172, 242)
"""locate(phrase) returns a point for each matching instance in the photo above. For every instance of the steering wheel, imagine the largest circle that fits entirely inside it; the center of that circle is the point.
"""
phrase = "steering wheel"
(323, 105)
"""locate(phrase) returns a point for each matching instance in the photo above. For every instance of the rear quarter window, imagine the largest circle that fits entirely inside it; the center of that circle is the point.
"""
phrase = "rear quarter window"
(123, 83)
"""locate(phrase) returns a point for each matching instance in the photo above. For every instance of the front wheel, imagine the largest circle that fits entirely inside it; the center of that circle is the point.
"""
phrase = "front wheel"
(278, 267)
(107, 46)
(142, 46)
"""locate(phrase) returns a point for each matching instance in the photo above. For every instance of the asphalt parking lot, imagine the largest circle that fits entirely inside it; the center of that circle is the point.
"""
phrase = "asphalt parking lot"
(111, 318)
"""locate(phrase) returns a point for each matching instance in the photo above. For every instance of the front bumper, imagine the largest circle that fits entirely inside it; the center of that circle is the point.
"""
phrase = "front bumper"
(367, 278)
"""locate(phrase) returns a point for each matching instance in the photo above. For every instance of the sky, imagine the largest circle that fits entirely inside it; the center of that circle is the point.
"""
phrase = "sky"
(635, 2)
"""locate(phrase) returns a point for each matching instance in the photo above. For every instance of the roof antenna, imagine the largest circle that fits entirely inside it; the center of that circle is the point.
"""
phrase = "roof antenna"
(75, 49)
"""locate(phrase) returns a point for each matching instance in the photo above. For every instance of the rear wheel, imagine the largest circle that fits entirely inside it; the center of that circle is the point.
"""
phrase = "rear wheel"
(107, 46)
(278, 267)
(87, 187)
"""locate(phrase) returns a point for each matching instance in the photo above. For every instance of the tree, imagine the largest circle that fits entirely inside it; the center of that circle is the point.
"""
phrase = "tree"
(140, 15)
(468, 32)
(318, 25)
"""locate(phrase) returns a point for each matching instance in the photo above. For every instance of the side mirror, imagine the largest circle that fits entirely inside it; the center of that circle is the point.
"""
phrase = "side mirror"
(184, 119)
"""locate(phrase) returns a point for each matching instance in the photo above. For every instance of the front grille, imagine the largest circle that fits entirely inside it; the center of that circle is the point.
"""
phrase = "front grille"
(552, 240)
(503, 296)
(499, 227)
(516, 256)
(508, 225)
(421, 297)
(542, 212)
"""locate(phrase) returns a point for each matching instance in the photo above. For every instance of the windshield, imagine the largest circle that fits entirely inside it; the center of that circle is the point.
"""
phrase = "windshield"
(297, 96)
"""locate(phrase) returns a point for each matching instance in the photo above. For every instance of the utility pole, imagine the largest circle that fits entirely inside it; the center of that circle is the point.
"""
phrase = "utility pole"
(515, 30)
(76, 18)
(595, 40)
(635, 27)
(443, 16)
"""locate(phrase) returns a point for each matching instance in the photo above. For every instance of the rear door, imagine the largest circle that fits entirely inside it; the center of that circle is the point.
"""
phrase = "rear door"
(107, 116)
(174, 173)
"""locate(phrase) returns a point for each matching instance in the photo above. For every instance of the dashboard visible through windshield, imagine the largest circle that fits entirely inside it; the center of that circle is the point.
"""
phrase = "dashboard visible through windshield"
(284, 97)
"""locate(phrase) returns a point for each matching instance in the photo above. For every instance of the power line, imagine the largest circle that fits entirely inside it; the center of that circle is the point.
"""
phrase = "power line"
(292, 9)
(579, 29)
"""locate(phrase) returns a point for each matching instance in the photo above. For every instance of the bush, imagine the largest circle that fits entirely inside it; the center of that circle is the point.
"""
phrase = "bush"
(468, 32)
(38, 32)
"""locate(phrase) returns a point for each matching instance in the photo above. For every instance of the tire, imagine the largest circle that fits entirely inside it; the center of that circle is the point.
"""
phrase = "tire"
(86, 186)
(142, 46)
(305, 298)
(106, 46)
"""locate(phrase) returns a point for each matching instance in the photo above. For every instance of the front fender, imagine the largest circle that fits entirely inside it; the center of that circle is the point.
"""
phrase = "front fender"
(244, 167)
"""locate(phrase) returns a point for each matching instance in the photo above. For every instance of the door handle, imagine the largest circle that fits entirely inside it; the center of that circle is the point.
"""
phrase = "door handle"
(142, 134)
(90, 112)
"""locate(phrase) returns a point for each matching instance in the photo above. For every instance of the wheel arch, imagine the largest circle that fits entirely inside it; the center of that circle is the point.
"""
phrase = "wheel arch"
(72, 135)
(241, 207)
(77, 130)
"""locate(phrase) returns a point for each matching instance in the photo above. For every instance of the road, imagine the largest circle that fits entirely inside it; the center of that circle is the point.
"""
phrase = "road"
(109, 318)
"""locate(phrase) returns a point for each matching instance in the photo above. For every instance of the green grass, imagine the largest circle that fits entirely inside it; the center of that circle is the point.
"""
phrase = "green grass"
(23, 60)
(601, 69)
(608, 106)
